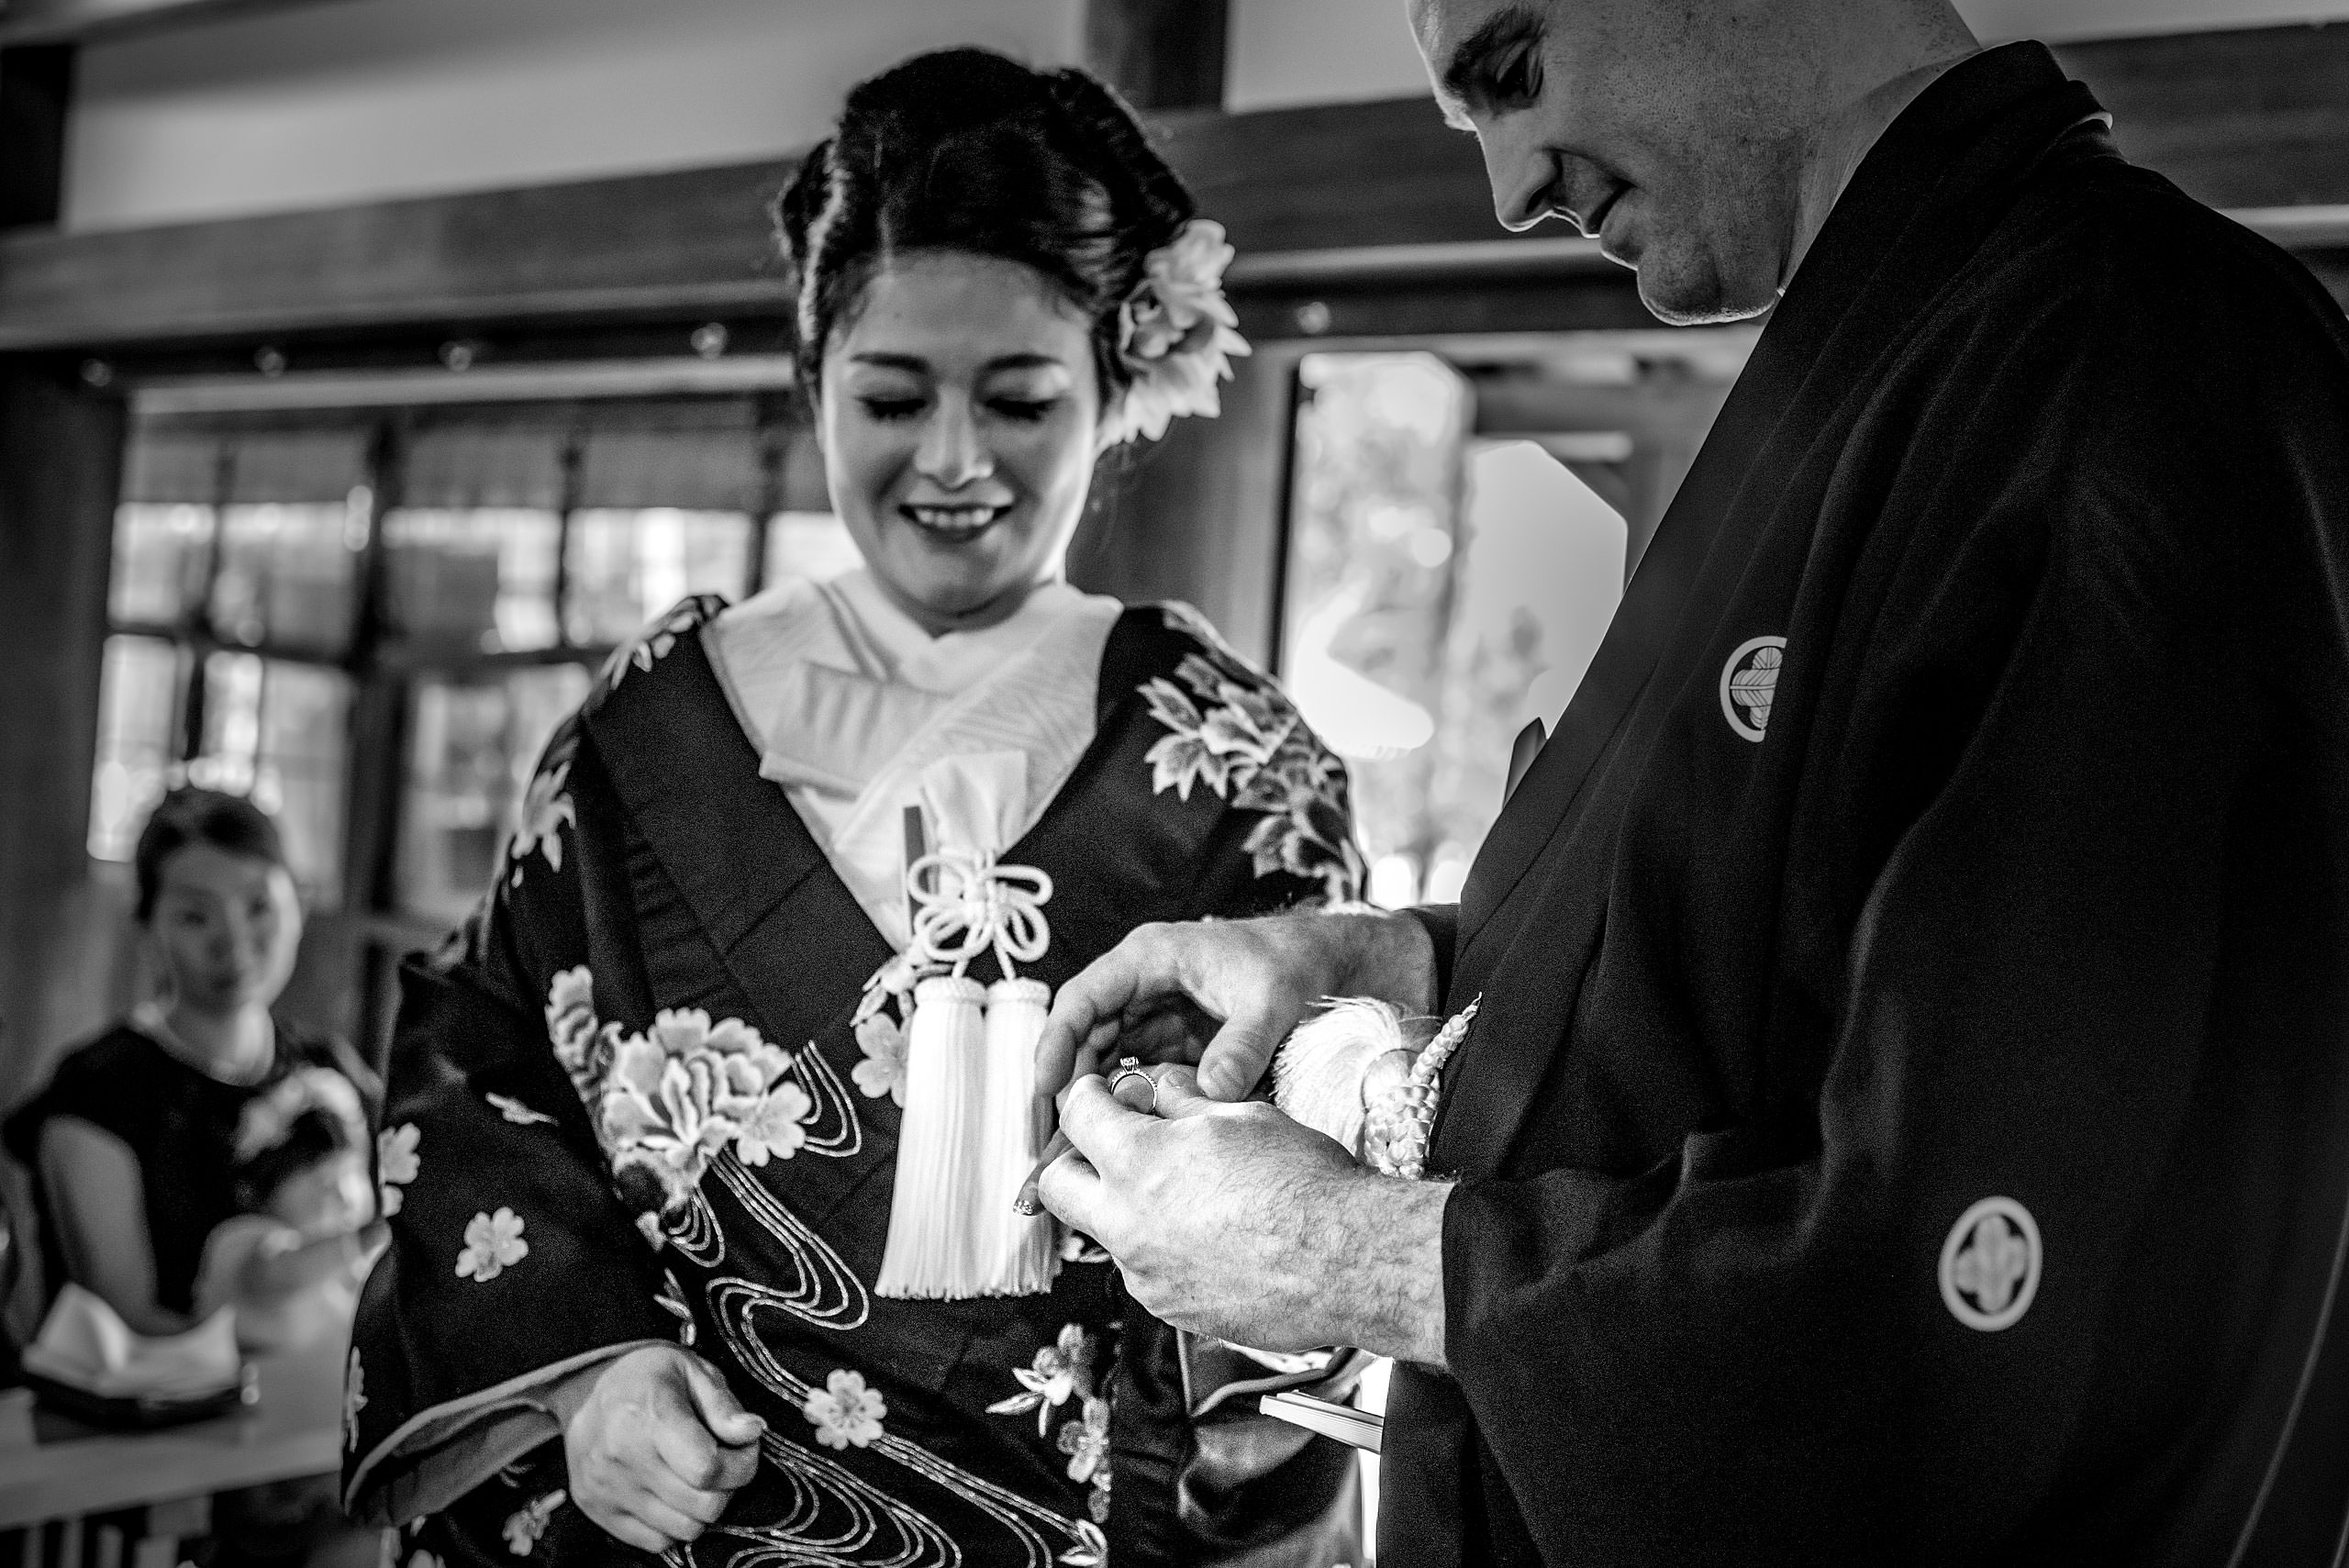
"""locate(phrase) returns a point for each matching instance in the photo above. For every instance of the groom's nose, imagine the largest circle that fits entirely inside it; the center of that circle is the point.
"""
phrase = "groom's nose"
(1523, 172)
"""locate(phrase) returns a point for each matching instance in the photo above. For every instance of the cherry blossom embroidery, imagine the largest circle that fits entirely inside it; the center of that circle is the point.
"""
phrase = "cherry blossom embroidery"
(690, 1086)
(354, 1399)
(883, 1071)
(546, 810)
(518, 1113)
(1076, 1247)
(844, 1411)
(1243, 742)
(1061, 1370)
(492, 1244)
(1086, 1443)
(525, 1525)
(397, 1164)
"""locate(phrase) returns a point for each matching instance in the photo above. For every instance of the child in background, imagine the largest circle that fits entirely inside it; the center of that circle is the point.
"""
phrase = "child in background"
(301, 1175)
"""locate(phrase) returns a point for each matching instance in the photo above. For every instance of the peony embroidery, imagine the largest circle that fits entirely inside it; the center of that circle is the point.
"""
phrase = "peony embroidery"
(844, 1411)
(492, 1244)
(354, 1399)
(397, 1164)
(1241, 742)
(690, 1086)
(526, 1524)
(546, 810)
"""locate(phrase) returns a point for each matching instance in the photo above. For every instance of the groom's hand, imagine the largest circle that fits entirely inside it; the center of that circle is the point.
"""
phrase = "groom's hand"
(1235, 1222)
(1224, 993)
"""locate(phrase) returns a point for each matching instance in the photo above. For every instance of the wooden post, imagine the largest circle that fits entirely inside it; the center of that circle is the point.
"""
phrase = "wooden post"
(1162, 54)
(1201, 516)
(35, 86)
(60, 456)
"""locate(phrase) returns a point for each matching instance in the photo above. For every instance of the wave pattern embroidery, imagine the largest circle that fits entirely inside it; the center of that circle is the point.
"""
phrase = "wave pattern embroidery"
(825, 1292)
(733, 1303)
(832, 1127)
(832, 1517)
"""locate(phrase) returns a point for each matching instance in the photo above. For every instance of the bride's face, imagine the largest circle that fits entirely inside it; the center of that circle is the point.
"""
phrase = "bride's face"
(960, 414)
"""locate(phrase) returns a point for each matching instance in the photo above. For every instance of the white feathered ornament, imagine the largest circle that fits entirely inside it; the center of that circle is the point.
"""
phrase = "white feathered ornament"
(1338, 1063)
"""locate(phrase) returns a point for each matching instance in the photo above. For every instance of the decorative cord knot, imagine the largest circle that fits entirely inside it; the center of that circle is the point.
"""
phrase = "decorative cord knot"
(966, 903)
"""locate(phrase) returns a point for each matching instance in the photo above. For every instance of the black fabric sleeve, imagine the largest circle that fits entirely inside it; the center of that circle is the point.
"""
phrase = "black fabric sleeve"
(513, 1266)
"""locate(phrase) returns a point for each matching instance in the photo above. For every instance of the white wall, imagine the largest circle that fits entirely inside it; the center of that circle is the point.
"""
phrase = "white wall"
(1309, 51)
(365, 99)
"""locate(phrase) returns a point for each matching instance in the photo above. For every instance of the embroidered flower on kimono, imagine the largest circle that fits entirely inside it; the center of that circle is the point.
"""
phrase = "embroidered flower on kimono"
(844, 1411)
(893, 983)
(492, 1244)
(583, 1050)
(354, 1399)
(546, 809)
(653, 643)
(883, 1071)
(1091, 1550)
(525, 1525)
(518, 1113)
(772, 1125)
(1086, 1441)
(1247, 745)
(1061, 1370)
(678, 1095)
(395, 1165)
(1222, 745)
(1097, 1504)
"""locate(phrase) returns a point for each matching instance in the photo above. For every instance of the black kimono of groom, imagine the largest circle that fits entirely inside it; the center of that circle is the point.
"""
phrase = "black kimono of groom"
(1905, 1122)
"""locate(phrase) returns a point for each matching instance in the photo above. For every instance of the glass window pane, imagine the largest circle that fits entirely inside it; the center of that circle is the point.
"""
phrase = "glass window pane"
(289, 575)
(162, 553)
(625, 567)
(140, 698)
(472, 744)
(280, 733)
(815, 545)
(480, 578)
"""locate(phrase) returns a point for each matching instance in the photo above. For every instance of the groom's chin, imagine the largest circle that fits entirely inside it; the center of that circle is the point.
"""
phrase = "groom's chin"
(1683, 283)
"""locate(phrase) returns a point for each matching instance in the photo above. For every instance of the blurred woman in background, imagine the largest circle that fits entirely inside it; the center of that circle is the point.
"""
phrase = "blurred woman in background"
(659, 1276)
(133, 1144)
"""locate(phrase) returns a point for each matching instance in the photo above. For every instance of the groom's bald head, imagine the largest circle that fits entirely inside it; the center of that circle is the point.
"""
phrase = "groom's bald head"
(1680, 132)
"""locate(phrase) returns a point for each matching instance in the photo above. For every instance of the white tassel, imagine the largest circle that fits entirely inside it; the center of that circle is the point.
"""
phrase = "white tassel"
(933, 1221)
(1022, 1256)
(1317, 1074)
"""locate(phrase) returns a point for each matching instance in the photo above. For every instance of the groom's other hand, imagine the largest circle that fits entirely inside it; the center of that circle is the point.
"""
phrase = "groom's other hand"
(1224, 993)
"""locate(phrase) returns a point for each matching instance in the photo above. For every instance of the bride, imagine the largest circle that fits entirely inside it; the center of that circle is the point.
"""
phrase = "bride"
(704, 1133)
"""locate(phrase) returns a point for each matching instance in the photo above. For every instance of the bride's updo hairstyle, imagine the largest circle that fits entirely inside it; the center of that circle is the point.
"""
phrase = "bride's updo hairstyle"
(965, 150)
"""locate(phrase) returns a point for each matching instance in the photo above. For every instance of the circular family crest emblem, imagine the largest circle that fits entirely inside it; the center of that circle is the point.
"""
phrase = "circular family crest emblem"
(1990, 1264)
(1749, 684)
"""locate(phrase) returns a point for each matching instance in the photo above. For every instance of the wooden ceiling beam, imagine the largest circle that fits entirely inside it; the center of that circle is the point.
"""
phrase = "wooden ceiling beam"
(1317, 199)
(56, 21)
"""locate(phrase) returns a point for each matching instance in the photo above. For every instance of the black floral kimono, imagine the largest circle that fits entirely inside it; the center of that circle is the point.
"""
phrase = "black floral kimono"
(650, 1092)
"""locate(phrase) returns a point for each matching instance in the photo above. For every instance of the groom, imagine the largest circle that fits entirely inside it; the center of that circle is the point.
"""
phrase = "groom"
(1906, 1117)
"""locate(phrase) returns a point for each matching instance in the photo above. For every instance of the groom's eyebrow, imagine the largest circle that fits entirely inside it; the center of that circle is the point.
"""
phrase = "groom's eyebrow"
(1472, 76)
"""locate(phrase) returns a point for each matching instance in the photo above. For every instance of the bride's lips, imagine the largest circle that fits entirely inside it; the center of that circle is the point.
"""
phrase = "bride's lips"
(953, 524)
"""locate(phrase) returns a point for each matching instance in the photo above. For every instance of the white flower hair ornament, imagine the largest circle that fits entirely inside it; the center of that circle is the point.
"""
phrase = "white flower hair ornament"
(1176, 333)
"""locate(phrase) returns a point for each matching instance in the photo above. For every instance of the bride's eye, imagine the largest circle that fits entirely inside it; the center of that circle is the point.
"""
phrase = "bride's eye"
(1026, 410)
(891, 409)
